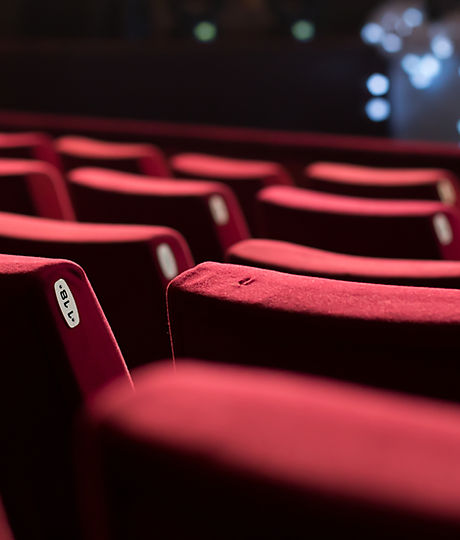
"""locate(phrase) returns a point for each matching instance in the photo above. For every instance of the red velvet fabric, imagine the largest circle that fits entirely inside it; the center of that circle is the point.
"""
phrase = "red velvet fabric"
(78, 151)
(124, 265)
(404, 338)
(48, 369)
(293, 149)
(307, 261)
(215, 451)
(35, 188)
(115, 197)
(369, 227)
(5, 530)
(37, 146)
(244, 177)
(384, 183)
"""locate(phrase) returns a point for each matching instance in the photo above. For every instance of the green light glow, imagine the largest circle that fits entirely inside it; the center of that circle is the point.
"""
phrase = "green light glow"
(205, 31)
(303, 30)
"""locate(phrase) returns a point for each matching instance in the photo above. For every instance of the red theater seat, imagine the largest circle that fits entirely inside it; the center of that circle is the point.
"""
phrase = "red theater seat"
(368, 227)
(403, 338)
(383, 183)
(76, 151)
(57, 350)
(225, 452)
(129, 267)
(206, 213)
(34, 188)
(37, 146)
(303, 260)
(244, 177)
(5, 530)
(292, 148)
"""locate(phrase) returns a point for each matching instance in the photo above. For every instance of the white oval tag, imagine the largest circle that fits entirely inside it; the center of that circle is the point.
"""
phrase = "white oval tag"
(443, 229)
(67, 303)
(167, 261)
(446, 191)
(219, 209)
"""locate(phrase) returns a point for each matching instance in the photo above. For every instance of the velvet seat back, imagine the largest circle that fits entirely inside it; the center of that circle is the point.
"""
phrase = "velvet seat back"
(57, 351)
(206, 213)
(307, 261)
(402, 338)
(244, 177)
(129, 267)
(375, 228)
(76, 151)
(211, 451)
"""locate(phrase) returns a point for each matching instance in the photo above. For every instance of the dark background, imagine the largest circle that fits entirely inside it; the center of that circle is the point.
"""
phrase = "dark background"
(140, 59)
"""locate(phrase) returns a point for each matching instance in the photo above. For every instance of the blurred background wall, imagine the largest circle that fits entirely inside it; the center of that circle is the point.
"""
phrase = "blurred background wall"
(324, 65)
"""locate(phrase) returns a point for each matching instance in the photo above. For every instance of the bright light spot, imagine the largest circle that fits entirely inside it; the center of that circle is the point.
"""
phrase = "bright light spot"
(413, 17)
(442, 46)
(391, 43)
(410, 63)
(458, 126)
(422, 70)
(205, 31)
(420, 81)
(378, 109)
(372, 33)
(429, 66)
(378, 84)
(303, 30)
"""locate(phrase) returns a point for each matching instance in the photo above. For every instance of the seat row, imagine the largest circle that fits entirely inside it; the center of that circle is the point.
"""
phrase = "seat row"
(358, 435)
(208, 215)
(201, 444)
(149, 256)
(124, 259)
(244, 177)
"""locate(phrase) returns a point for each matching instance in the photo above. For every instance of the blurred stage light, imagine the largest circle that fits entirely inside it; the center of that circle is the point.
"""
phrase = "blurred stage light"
(303, 30)
(420, 81)
(372, 33)
(413, 17)
(422, 73)
(429, 66)
(391, 43)
(196, 18)
(378, 109)
(205, 31)
(393, 22)
(410, 62)
(442, 47)
(295, 17)
(378, 84)
(422, 70)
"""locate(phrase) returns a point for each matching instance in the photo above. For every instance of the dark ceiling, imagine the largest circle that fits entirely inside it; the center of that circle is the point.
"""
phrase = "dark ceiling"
(167, 18)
